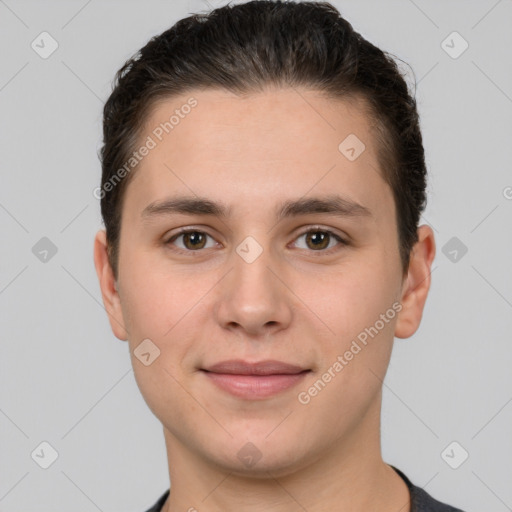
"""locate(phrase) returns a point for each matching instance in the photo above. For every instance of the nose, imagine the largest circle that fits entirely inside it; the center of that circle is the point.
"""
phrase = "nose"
(253, 298)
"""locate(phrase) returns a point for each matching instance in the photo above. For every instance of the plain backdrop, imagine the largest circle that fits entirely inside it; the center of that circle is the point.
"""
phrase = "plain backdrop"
(67, 381)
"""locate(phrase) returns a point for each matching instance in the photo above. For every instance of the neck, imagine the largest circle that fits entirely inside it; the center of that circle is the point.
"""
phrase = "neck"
(349, 475)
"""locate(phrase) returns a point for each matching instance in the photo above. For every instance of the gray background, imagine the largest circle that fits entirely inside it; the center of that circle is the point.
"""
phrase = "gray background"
(66, 380)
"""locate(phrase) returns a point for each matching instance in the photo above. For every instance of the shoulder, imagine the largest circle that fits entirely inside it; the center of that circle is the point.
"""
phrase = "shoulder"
(421, 501)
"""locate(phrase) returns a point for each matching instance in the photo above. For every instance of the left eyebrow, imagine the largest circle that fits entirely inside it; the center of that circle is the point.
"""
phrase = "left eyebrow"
(334, 205)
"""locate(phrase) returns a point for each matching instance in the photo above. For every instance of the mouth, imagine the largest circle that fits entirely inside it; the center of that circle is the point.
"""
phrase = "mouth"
(253, 381)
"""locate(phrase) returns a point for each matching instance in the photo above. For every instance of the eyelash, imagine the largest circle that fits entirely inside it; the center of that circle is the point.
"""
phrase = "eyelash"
(316, 229)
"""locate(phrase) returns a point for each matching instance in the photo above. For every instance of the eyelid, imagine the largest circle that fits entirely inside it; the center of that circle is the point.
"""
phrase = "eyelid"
(319, 227)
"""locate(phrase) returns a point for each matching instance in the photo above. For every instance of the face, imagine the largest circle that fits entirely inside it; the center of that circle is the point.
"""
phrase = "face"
(294, 258)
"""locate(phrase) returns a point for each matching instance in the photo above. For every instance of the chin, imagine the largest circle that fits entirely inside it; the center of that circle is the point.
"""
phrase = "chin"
(262, 458)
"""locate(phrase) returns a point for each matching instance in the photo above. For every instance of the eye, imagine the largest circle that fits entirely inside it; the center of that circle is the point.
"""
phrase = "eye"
(193, 239)
(316, 239)
(319, 239)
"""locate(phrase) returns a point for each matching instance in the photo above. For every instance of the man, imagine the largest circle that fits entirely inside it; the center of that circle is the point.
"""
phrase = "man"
(263, 179)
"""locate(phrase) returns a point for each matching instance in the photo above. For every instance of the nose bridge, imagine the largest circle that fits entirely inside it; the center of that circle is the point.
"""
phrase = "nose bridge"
(252, 278)
(253, 297)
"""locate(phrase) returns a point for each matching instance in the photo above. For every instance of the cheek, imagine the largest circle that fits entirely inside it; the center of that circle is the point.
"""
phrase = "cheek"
(358, 307)
(353, 299)
(156, 308)
(359, 304)
(165, 309)
(154, 303)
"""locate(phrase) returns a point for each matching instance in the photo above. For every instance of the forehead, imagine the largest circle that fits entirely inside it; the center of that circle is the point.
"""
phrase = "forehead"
(265, 124)
(275, 143)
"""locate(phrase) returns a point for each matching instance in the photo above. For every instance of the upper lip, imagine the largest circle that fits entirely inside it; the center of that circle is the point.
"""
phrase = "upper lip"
(268, 367)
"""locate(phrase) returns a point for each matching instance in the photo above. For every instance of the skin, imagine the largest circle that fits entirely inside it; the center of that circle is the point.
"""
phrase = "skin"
(295, 303)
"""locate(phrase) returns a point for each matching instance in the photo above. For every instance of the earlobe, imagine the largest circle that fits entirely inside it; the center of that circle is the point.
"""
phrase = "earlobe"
(108, 286)
(416, 284)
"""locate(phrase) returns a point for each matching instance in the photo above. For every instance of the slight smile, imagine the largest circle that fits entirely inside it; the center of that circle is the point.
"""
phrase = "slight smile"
(252, 381)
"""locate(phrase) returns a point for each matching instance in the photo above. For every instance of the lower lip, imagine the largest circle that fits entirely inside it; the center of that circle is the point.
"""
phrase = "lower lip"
(255, 386)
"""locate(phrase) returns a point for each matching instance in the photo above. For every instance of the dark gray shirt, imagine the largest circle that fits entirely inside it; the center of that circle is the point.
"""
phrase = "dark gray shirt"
(421, 501)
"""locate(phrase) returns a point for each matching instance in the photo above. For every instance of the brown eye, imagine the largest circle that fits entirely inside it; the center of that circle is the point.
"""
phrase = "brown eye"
(317, 239)
(193, 240)
(320, 239)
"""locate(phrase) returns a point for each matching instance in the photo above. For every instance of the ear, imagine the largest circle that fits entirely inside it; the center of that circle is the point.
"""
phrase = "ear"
(108, 286)
(416, 284)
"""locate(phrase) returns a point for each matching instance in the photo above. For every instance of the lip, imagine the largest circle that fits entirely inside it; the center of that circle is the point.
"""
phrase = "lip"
(267, 367)
(254, 381)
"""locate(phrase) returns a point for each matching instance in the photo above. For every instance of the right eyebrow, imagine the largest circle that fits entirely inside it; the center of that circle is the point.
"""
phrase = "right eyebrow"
(186, 205)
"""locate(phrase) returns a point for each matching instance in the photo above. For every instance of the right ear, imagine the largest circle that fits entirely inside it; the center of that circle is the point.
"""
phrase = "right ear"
(108, 286)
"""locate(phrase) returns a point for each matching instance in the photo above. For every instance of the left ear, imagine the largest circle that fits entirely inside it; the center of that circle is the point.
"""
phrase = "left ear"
(416, 284)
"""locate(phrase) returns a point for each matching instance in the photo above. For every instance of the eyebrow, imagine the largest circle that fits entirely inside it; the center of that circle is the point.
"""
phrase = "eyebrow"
(333, 205)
